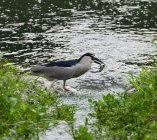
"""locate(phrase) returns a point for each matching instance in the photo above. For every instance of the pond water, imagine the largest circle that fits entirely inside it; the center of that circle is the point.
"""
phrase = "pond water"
(119, 33)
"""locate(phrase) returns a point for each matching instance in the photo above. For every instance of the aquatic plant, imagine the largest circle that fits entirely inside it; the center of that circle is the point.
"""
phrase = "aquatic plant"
(25, 109)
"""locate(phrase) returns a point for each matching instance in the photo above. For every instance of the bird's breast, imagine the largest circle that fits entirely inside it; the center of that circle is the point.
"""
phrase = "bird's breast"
(80, 69)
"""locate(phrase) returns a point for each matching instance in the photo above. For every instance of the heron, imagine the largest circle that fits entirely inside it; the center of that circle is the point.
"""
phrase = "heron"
(67, 69)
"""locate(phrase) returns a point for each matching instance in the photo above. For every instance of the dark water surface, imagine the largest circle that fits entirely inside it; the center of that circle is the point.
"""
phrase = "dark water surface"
(119, 33)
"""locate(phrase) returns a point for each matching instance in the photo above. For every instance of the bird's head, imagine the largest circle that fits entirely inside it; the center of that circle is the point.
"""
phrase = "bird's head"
(94, 59)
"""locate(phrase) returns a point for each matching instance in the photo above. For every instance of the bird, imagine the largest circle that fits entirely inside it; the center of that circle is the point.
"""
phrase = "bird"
(67, 69)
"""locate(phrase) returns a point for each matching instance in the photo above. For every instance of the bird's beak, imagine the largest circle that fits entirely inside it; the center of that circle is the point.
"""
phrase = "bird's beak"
(98, 61)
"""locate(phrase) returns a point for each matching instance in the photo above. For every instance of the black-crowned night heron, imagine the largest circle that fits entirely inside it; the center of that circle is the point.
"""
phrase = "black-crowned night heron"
(64, 70)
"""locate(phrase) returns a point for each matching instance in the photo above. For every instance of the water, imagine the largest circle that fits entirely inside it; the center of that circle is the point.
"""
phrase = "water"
(119, 33)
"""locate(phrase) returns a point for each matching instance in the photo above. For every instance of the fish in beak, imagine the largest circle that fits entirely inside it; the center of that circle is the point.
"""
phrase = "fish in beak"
(98, 61)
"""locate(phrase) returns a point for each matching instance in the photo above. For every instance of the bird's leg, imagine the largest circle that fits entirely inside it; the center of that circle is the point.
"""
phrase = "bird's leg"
(52, 85)
(64, 84)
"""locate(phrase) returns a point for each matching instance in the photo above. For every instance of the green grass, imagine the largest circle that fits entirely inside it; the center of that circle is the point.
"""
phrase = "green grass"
(82, 133)
(25, 109)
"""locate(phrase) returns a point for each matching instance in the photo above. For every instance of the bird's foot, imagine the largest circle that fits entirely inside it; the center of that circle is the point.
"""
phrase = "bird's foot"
(66, 89)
